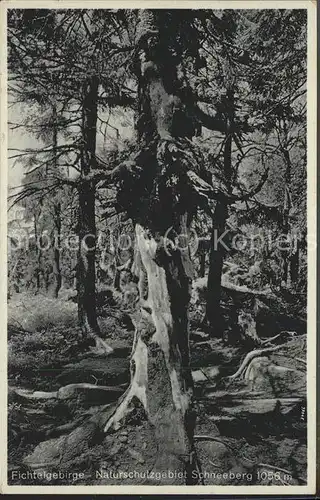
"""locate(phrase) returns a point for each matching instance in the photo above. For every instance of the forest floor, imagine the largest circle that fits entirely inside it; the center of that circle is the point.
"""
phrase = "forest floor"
(251, 429)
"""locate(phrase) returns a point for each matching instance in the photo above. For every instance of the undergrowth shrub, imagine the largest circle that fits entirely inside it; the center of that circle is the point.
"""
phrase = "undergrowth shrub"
(40, 313)
(31, 354)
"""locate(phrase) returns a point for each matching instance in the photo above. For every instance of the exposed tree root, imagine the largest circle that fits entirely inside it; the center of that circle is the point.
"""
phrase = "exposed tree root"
(301, 360)
(269, 341)
(280, 469)
(212, 438)
(36, 394)
(253, 463)
(250, 356)
(57, 431)
(69, 391)
(64, 449)
(273, 467)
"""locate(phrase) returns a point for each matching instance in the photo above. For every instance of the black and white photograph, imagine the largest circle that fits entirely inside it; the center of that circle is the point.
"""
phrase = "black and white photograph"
(160, 207)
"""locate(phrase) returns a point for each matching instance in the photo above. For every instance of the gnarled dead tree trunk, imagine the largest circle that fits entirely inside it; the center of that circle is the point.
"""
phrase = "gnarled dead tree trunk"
(161, 381)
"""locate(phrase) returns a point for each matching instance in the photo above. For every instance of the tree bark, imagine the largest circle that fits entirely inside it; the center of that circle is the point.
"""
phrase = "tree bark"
(286, 221)
(86, 259)
(294, 263)
(216, 258)
(202, 270)
(217, 251)
(38, 253)
(56, 251)
(56, 219)
(86, 274)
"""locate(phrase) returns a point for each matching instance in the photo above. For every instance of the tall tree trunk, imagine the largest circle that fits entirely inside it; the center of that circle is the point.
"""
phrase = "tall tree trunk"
(287, 227)
(285, 278)
(56, 218)
(56, 251)
(86, 260)
(161, 381)
(294, 263)
(38, 253)
(216, 258)
(86, 275)
(217, 251)
(202, 259)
